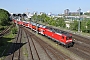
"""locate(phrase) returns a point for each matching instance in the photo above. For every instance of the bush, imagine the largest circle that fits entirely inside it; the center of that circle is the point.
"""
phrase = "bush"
(2, 28)
(14, 30)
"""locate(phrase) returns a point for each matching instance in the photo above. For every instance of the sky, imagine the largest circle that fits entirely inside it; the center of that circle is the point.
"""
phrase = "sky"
(54, 6)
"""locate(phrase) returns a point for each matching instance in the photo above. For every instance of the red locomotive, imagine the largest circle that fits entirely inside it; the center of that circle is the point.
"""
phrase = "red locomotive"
(62, 37)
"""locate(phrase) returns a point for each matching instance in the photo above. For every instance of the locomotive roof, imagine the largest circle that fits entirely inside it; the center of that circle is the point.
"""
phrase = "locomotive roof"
(62, 32)
(57, 30)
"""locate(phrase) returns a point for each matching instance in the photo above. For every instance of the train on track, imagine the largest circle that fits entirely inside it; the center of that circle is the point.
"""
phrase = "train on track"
(62, 37)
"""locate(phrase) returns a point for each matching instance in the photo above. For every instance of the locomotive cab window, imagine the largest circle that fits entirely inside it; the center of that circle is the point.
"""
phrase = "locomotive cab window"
(69, 37)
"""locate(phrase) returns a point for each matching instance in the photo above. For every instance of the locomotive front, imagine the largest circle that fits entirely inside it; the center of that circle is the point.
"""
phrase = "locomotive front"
(69, 41)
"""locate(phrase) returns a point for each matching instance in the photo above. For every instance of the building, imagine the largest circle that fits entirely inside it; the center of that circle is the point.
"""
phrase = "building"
(68, 13)
(75, 13)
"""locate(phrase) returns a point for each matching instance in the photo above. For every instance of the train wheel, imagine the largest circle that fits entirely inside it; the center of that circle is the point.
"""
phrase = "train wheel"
(58, 43)
(66, 46)
(72, 44)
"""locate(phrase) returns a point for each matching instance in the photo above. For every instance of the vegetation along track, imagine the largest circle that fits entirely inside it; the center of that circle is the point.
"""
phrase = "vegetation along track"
(7, 30)
(52, 53)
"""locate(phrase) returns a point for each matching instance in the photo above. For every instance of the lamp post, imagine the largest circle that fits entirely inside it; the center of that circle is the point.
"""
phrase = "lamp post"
(79, 10)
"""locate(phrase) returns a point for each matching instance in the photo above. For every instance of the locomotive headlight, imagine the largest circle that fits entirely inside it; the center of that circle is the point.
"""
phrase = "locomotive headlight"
(68, 40)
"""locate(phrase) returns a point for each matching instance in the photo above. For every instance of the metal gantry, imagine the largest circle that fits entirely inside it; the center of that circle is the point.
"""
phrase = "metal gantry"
(79, 10)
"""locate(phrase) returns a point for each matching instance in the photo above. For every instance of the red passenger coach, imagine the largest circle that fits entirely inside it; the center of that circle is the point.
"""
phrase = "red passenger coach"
(19, 22)
(34, 26)
(30, 25)
(24, 22)
(40, 29)
(15, 21)
(27, 24)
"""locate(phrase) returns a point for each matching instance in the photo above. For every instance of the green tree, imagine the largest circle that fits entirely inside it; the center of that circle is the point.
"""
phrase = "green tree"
(38, 17)
(47, 20)
(86, 13)
(51, 21)
(4, 17)
(14, 30)
(88, 26)
(60, 22)
(74, 25)
(43, 16)
(34, 17)
(83, 26)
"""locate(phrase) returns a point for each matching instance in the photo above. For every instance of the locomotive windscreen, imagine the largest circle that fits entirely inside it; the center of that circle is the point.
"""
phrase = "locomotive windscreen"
(68, 37)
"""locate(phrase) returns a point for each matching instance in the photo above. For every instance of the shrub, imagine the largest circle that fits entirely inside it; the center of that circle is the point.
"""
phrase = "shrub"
(2, 28)
(14, 30)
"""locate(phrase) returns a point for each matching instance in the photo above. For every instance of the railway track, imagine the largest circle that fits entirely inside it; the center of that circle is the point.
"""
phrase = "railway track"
(17, 54)
(81, 46)
(15, 50)
(52, 53)
(82, 40)
(37, 49)
(34, 52)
